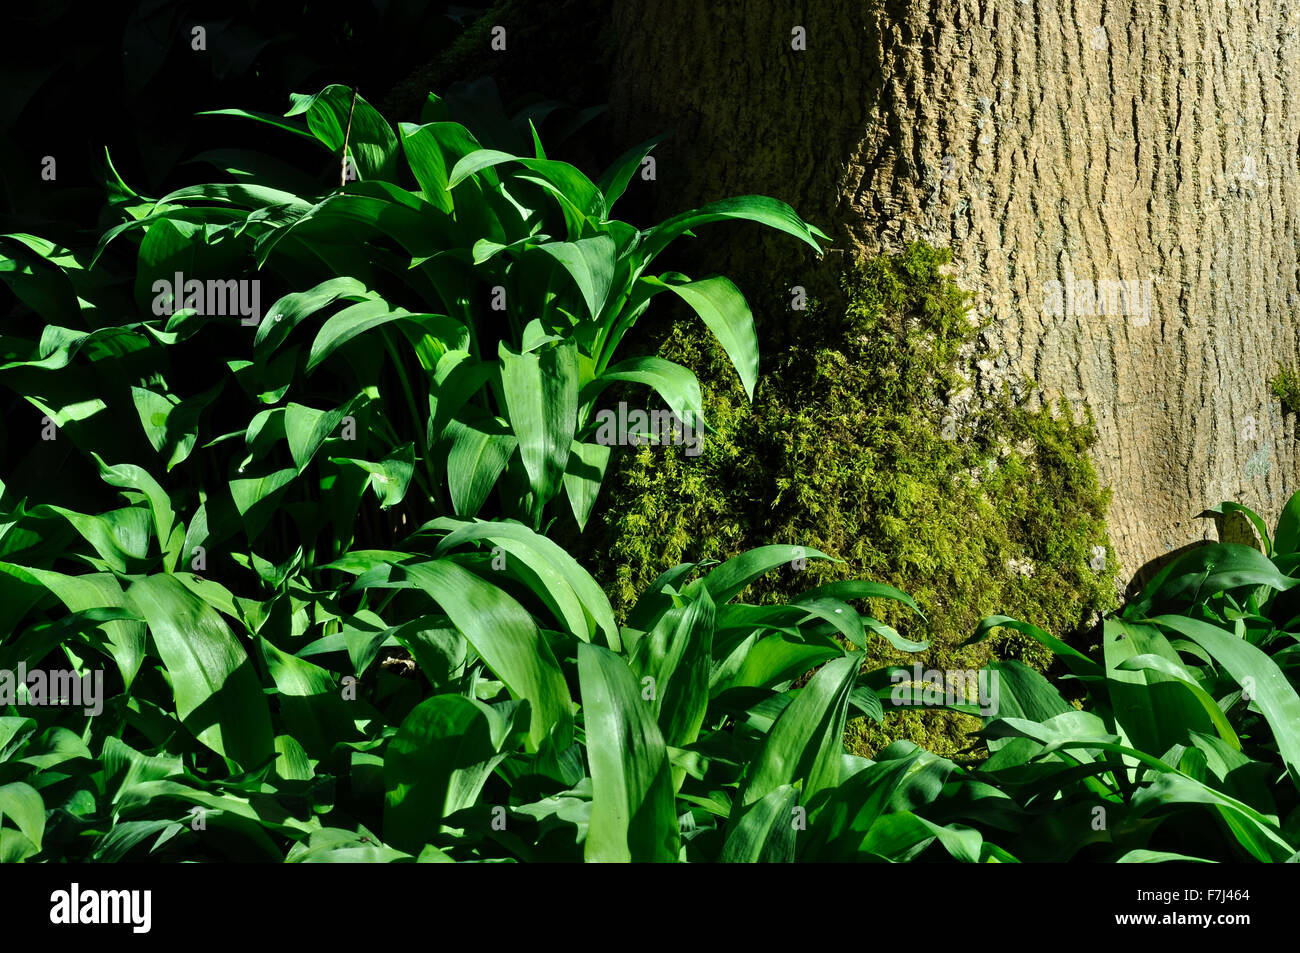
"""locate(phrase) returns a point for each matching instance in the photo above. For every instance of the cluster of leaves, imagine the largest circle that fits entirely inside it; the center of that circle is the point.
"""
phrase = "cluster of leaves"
(1191, 711)
(268, 541)
(850, 447)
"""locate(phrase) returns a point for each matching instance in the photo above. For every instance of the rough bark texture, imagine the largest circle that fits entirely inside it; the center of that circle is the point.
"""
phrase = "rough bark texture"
(1044, 142)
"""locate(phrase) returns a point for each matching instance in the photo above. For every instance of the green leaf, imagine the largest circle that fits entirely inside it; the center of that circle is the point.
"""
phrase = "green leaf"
(218, 697)
(769, 661)
(310, 702)
(1259, 677)
(269, 119)
(807, 741)
(851, 809)
(679, 388)
(478, 454)
(541, 392)
(120, 537)
(1286, 537)
(307, 428)
(256, 497)
(370, 140)
(766, 833)
(595, 613)
(1142, 856)
(724, 310)
(436, 764)
(426, 156)
(583, 476)
(22, 804)
(391, 476)
(619, 174)
(91, 591)
(566, 180)
(591, 263)
(632, 811)
(1261, 527)
(367, 315)
(286, 313)
(753, 208)
(129, 476)
(678, 655)
(1206, 570)
(507, 638)
(726, 581)
(1156, 710)
(1079, 663)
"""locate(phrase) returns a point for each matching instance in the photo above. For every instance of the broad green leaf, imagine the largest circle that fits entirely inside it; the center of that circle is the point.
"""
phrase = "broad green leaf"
(287, 312)
(310, 702)
(567, 181)
(130, 476)
(632, 811)
(391, 476)
(754, 208)
(583, 476)
(807, 740)
(1286, 537)
(331, 115)
(367, 315)
(1261, 679)
(596, 612)
(1154, 709)
(675, 384)
(307, 428)
(256, 497)
(435, 765)
(1159, 663)
(1205, 570)
(120, 537)
(726, 581)
(590, 261)
(773, 660)
(507, 638)
(724, 310)
(541, 392)
(218, 696)
(22, 805)
(766, 833)
(619, 174)
(1256, 832)
(126, 639)
(478, 454)
(677, 656)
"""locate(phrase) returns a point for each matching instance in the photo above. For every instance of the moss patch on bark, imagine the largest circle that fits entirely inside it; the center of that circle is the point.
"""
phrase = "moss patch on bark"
(876, 438)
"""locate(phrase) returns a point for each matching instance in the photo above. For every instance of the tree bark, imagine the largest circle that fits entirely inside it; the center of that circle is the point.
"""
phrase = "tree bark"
(1147, 143)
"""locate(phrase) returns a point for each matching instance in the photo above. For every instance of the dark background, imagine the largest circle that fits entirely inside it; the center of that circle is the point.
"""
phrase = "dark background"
(77, 78)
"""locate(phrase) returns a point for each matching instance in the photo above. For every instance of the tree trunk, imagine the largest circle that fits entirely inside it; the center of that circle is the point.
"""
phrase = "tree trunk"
(1118, 184)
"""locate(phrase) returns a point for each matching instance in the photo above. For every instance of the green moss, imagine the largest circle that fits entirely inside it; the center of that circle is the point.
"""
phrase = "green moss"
(849, 448)
(1286, 387)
